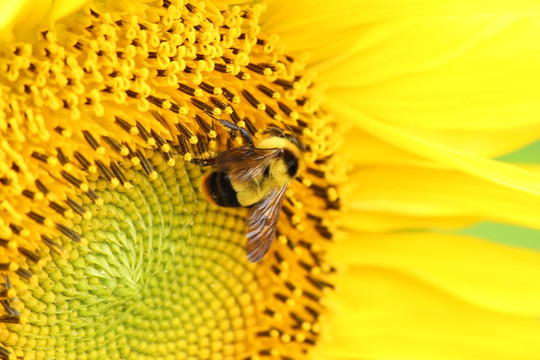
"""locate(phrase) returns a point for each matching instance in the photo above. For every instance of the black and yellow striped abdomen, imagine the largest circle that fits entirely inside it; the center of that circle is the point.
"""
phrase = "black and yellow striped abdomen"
(217, 185)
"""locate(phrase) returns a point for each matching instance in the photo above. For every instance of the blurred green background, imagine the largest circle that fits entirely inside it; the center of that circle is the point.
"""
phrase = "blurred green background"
(510, 234)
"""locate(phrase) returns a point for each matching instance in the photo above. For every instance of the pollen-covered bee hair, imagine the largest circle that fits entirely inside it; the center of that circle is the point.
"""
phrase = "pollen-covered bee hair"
(255, 177)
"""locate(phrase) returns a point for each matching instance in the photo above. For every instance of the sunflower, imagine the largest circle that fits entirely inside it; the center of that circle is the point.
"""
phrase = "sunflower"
(108, 248)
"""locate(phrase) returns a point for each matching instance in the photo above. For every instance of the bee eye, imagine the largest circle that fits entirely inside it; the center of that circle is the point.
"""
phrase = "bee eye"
(291, 162)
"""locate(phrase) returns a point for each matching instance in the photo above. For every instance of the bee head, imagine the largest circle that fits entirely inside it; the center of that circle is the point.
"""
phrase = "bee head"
(273, 130)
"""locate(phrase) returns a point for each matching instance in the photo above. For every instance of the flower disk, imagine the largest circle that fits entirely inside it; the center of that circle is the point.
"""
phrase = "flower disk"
(107, 247)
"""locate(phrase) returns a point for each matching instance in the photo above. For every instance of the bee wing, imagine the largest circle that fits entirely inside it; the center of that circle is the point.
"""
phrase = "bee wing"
(243, 164)
(261, 223)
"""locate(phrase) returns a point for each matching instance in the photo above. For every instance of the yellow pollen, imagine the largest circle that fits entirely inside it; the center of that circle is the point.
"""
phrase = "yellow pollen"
(286, 338)
(274, 352)
(12, 245)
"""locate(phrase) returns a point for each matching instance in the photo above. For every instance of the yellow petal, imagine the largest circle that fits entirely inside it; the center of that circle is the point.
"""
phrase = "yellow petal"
(486, 143)
(432, 193)
(364, 149)
(497, 172)
(493, 276)
(321, 28)
(443, 70)
(427, 296)
(325, 25)
(20, 18)
(62, 8)
(397, 318)
(375, 222)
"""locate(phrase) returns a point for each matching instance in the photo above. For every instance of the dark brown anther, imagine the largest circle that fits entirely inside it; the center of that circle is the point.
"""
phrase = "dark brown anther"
(249, 126)
(203, 106)
(72, 179)
(29, 194)
(57, 207)
(25, 274)
(61, 156)
(251, 99)
(82, 160)
(118, 173)
(112, 143)
(266, 91)
(32, 256)
(285, 84)
(79, 209)
(228, 94)
(186, 89)
(222, 68)
(147, 167)
(234, 116)
(203, 124)
(218, 103)
(256, 68)
(184, 130)
(40, 219)
(90, 139)
(104, 170)
(40, 157)
(53, 245)
(123, 124)
(175, 108)
(70, 233)
(155, 100)
(270, 112)
(207, 88)
(16, 228)
(142, 132)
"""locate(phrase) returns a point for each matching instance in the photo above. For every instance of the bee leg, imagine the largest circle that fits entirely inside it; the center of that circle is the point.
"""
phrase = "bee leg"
(246, 136)
(203, 162)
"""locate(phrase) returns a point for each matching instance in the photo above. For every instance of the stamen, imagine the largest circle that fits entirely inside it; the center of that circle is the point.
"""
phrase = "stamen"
(187, 133)
(84, 162)
(58, 208)
(230, 96)
(253, 101)
(268, 92)
(32, 256)
(51, 244)
(79, 209)
(68, 232)
(127, 127)
(210, 89)
(93, 142)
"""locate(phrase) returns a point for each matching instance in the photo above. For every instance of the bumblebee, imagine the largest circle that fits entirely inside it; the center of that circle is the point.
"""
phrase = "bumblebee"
(255, 178)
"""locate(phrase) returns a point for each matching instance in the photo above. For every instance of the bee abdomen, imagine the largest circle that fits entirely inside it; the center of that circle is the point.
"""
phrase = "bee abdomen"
(217, 186)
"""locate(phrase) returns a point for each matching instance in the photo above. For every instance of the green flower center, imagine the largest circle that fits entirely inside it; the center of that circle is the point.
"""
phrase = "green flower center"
(163, 276)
